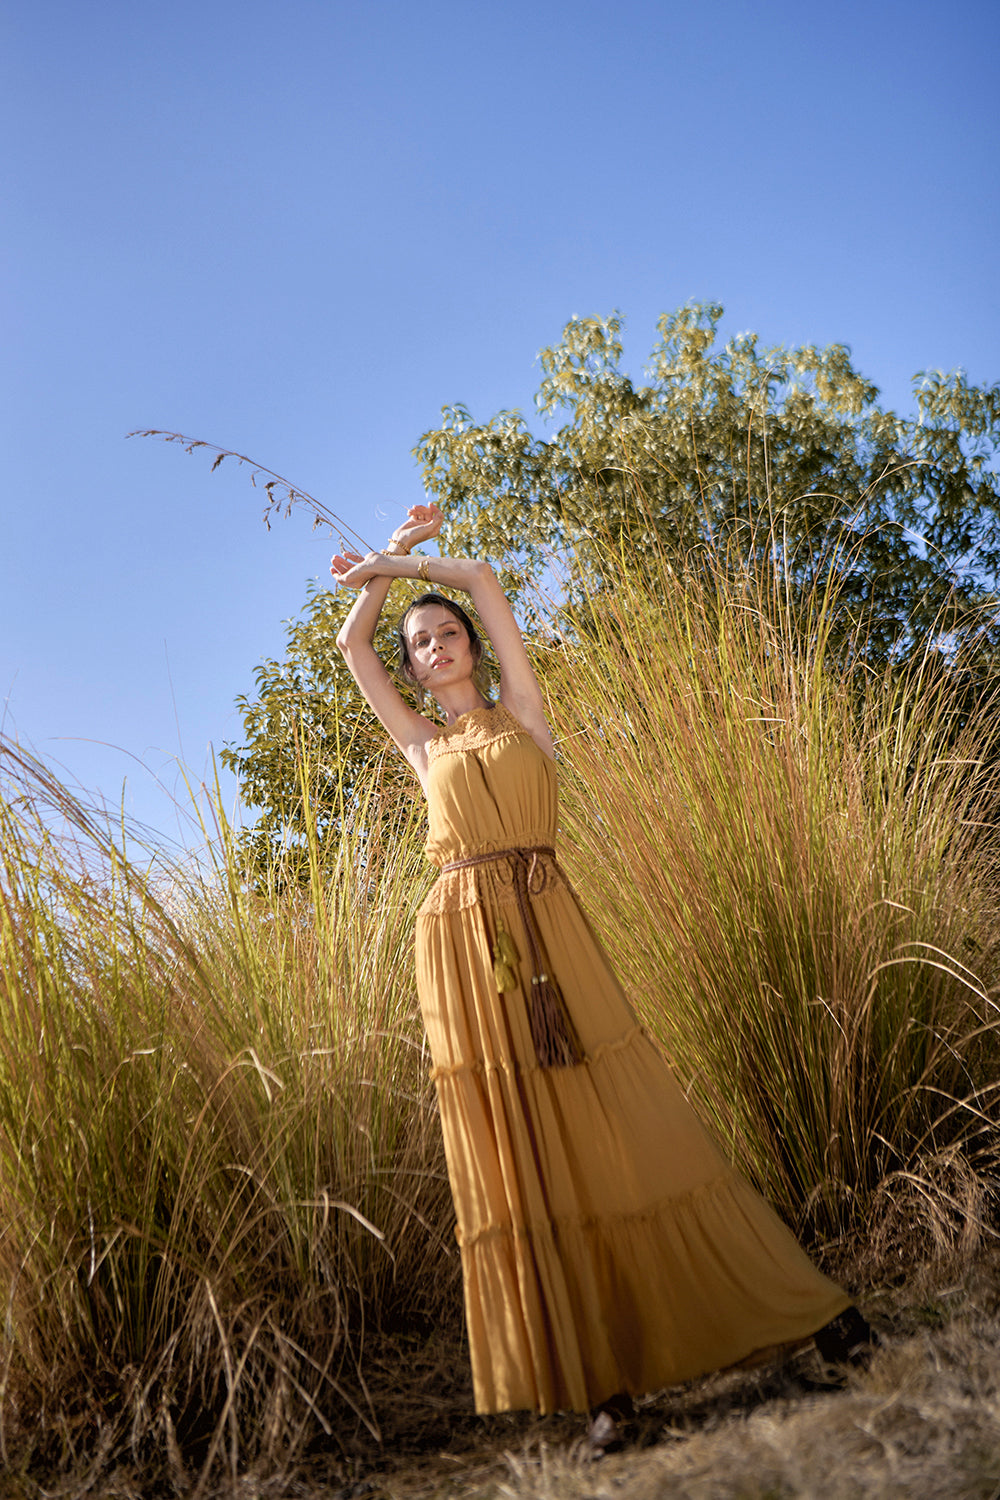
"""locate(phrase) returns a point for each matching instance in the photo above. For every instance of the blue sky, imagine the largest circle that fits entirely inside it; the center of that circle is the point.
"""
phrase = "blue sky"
(299, 229)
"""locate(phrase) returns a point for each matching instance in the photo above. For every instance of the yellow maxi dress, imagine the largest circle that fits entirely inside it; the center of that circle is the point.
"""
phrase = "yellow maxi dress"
(607, 1245)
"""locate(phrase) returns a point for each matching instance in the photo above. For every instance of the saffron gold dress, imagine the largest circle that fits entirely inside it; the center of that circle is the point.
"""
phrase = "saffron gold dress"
(607, 1245)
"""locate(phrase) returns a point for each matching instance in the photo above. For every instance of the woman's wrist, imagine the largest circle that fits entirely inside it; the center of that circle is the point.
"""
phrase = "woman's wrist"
(395, 548)
(419, 562)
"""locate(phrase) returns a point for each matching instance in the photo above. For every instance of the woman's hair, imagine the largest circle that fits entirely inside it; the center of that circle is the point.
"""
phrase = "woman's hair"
(475, 639)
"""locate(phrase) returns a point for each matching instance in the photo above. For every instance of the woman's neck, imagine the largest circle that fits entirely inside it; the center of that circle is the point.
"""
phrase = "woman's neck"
(462, 700)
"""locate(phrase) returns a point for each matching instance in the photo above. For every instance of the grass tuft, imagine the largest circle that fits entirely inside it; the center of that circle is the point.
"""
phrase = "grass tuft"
(219, 1158)
(794, 868)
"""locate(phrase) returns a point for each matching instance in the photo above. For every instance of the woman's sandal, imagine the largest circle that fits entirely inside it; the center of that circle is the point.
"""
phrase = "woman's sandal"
(848, 1339)
(606, 1433)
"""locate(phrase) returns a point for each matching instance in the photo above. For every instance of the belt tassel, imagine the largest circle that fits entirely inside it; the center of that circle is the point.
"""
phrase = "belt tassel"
(556, 1044)
(504, 961)
(552, 1031)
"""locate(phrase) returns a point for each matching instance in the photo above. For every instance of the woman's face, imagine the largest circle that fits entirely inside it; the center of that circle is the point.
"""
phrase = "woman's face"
(439, 647)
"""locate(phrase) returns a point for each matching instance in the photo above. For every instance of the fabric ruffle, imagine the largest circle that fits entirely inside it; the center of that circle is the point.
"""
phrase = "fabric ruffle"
(563, 1314)
(479, 729)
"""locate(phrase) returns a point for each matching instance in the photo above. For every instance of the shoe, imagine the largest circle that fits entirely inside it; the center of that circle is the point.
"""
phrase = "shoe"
(606, 1432)
(848, 1339)
(604, 1435)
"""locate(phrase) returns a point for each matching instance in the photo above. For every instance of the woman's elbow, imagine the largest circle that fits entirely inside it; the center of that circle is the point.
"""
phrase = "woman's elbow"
(353, 643)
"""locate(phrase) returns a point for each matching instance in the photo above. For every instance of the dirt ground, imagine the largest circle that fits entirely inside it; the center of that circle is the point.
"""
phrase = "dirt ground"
(922, 1423)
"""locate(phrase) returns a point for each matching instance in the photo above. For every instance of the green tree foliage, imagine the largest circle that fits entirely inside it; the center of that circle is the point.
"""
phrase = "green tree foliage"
(761, 447)
(728, 452)
(307, 733)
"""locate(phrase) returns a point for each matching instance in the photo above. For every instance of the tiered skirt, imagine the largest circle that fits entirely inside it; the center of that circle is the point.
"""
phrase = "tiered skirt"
(607, 1245)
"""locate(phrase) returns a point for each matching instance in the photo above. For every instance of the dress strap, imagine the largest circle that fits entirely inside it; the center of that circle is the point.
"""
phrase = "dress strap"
(552, 1030)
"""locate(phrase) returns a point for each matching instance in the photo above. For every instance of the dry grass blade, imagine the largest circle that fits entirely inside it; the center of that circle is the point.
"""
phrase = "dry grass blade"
(282, 495)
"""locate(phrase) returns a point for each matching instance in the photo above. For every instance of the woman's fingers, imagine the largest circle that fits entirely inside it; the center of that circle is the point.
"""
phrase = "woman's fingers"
(423, 521)
(349, 575)
(353, 569)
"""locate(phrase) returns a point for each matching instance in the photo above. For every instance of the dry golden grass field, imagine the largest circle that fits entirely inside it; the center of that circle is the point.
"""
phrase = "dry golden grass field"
(227, 1262)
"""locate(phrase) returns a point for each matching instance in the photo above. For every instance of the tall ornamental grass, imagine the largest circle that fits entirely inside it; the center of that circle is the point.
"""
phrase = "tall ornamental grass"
(794, 868)
(220, 1166)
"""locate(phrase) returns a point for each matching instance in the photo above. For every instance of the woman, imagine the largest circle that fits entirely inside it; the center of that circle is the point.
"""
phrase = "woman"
(608, 1248)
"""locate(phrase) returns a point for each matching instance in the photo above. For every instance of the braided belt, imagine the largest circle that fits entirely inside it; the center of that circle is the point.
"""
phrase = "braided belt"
(552, 1030)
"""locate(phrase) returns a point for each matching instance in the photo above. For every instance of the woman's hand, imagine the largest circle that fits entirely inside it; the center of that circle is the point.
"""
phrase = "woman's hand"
(422, 522)
(354, 571)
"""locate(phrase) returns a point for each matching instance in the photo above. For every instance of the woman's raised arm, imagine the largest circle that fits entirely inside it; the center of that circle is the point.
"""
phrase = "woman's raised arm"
(409, 730)
(519, 689)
